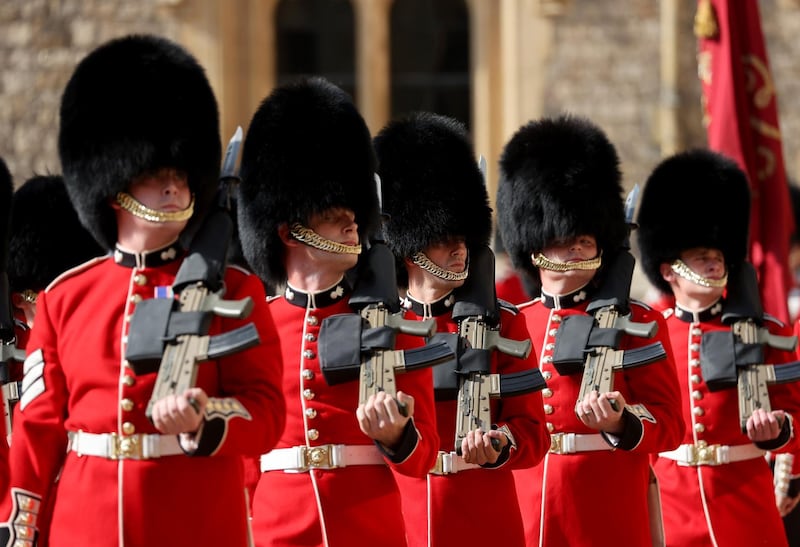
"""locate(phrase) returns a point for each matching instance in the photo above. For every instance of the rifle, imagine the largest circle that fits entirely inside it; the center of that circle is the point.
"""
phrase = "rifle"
(8, 350)
(8, 339)
(737, 357)
(172, 336)
(591, 344)
(478, 316)
(362, 345)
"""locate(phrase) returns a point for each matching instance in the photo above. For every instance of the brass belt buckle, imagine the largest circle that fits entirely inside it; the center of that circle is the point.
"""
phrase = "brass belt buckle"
(125, 448)
(318, 457)
(704, 453)
(556, 445)
(444, 464)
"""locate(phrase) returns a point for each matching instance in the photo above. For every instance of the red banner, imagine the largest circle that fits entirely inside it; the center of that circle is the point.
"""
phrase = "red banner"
(741, 116)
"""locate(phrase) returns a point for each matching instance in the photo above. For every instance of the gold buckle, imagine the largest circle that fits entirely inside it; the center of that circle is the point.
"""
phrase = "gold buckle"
(318, 457)
(125, 448)
(556, 445)
(703, 453)
(438, 467)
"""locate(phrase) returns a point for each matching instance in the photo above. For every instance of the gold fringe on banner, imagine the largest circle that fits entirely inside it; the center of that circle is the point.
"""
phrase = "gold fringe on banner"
(705, 21)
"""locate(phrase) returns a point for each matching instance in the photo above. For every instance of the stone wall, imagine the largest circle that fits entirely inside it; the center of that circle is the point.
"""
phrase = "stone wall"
(40, 43)
(604, 64)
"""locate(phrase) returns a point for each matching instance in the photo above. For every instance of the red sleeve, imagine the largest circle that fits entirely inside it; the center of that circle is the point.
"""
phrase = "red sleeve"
(419, 384)
(652, 390)
(38, 418)
(784, 397)
(522, 414)
(248, 415)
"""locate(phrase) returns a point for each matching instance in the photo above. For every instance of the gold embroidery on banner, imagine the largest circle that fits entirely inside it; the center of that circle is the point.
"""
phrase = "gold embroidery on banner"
(768, 166)
(705, 21)
(757, 71)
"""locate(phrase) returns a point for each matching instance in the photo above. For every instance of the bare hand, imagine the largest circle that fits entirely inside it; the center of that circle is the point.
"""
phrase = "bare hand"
(477, 447)
(764, 426)
(786, 504)
(596, 412)
(175, 414)
(380, 418)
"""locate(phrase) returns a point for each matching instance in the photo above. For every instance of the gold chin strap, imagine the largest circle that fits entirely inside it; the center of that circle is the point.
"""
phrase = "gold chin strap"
(680, 268)
(29, 296)
(139, 209)
(313, 239)
(421, 260)
(541, 261)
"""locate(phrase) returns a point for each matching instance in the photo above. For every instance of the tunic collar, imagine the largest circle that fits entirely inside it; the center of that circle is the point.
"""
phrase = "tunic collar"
(148, 259)
(569, 300)
(439, 307)
(320, 299)
(702, 316)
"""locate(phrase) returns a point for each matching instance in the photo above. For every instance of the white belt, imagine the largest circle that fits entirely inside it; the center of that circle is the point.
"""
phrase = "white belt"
(703, 453)
(571, 443)
(450, 462)
(123, 447)
(298, 459)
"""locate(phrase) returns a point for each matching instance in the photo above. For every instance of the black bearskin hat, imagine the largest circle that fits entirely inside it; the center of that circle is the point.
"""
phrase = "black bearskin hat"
(307, 150)
(6, 189)
(794, 195)
(46, 238)
(559, 178)
(432, 186)
(697, 198)
(133, 105)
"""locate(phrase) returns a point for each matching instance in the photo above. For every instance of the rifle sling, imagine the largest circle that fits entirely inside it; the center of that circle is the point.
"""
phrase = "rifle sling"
(340, 347)
(192, 322)
(377, 338)
(146, 334)
(576, 335)
(721, 353)
(474, 360)
(206, 260)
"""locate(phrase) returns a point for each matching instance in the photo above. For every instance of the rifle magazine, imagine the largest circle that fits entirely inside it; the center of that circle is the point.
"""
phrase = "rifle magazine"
(520, 383)
(233, 341)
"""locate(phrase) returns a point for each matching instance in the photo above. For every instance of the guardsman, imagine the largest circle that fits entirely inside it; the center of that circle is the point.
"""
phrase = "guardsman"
(46, 239)
(140, 148)
(716, 487)
(8, 326)
(439, 216)
(562, 219)
(308, 198)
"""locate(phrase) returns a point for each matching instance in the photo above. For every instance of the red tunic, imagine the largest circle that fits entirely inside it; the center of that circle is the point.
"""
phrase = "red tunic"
(466, 507)
(354, 505)
(77, 379)
(731, 504)
(598, 497)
